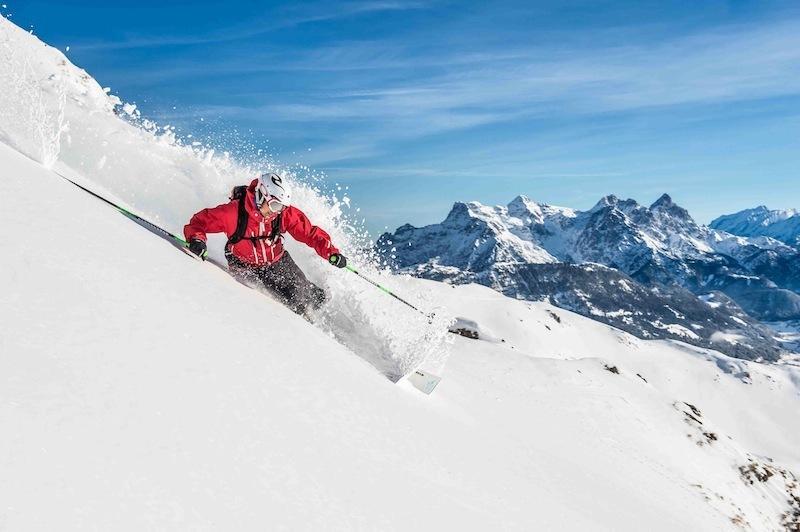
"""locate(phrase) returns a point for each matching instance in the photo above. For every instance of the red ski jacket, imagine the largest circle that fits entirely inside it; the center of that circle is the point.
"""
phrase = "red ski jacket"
(223, 218)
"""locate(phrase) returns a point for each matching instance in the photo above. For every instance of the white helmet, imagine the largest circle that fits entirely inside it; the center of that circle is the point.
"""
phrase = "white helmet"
(270, 185)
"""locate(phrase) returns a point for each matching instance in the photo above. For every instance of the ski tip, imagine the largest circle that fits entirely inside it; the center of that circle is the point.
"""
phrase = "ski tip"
(424, 381)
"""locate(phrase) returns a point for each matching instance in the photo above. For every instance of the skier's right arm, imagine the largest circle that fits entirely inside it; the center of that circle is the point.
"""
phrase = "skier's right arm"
(214, 220)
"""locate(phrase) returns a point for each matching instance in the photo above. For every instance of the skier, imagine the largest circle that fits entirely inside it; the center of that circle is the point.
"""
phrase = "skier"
(254, 221)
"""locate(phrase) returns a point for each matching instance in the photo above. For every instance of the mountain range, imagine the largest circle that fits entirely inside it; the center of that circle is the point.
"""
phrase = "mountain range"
(653, 271)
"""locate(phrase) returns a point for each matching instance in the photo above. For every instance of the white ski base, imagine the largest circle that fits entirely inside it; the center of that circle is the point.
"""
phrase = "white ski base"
(424, 381)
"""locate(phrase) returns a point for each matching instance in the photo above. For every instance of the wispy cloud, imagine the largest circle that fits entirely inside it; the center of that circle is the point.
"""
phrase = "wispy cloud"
(731, 64)
(292, 17)
(365, 96)
(719, 67)
(400, 171)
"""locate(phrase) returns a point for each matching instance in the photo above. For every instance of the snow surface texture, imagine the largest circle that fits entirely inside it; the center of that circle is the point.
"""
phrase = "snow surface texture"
(656, 257)
(133, 398)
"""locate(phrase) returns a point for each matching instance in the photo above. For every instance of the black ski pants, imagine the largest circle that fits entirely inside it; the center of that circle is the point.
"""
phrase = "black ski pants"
(284, 280)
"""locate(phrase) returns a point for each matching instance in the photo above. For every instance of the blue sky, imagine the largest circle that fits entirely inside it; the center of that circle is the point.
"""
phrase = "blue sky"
(415, 105)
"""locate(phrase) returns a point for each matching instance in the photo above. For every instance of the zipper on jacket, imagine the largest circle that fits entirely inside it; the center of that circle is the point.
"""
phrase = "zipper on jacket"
(262, 233)
(255, 252)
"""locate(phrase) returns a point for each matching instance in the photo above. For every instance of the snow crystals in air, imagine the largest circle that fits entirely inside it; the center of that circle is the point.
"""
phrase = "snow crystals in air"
(129, 109)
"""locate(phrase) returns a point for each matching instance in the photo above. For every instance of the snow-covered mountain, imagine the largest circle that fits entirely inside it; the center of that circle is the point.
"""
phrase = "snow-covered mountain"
(527, 250)
(141, 390)
(783, 225)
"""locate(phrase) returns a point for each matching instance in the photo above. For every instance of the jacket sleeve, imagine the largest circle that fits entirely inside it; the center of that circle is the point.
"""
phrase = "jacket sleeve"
(214, 220)
(297, 224)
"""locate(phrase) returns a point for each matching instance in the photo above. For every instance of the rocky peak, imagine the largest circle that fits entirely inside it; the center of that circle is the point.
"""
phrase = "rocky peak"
(526, 209)
(674, 213)
(606, 201)
(522, 202)
(458, 214)
(611, 201)
(664, 202)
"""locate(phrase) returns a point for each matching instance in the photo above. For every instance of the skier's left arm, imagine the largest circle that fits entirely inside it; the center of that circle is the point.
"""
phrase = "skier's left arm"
(297, 224)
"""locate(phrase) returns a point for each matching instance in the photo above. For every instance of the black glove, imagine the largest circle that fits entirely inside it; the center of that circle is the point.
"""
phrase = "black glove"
(338, 260)
(198, 247)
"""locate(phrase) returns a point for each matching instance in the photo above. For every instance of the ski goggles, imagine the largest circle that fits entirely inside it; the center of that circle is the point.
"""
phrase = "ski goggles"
(261, 197)
(274, 205)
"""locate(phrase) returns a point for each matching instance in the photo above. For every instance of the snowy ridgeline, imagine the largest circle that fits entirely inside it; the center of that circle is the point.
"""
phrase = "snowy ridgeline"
(783, 225)
(635, 267)
(134, 395)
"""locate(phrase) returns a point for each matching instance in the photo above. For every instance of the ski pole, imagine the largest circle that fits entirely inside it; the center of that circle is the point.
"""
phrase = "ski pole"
(400, 299)
(163, 232)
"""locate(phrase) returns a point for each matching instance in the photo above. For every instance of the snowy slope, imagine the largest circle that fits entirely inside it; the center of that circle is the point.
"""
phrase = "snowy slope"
(140, 389)
(130, 402)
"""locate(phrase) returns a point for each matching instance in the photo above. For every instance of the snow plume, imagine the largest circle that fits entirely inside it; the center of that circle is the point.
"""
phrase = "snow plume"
(150, 169)
(31, 107)
(387, 333)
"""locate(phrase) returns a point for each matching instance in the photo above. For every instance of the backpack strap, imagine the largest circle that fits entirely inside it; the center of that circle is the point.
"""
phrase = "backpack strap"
(240, 193)
(276, 227)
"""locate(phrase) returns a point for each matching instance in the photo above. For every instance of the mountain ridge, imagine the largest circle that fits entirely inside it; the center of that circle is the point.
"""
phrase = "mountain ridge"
(783, 224)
